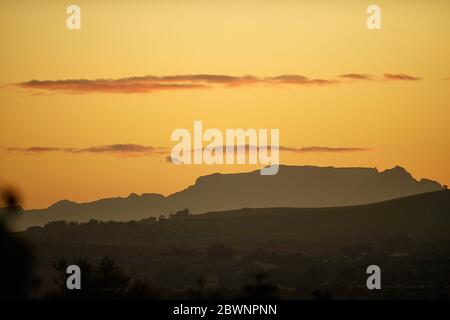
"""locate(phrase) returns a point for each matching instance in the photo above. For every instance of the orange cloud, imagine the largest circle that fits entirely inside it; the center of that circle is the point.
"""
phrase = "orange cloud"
(143, 150)
(325, 149)
(356, 76)
(400, 76)
(34, 149)
(126, 85)
(125, 149)
(144, 84)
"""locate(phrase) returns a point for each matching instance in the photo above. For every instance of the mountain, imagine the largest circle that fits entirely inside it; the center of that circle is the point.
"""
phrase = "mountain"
(408, 221)
(293, 186)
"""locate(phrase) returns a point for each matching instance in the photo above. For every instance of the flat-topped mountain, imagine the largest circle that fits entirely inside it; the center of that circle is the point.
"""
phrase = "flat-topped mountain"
(293, 186)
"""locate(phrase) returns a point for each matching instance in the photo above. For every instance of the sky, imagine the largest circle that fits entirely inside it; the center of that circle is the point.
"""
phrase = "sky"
(88, 114)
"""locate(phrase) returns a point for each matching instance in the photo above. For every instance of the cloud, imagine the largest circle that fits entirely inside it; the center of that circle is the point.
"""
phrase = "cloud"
(123, 149)
(400, 76)
(143, 150)
(143, 84)
(298, 80)
(356, 76)
(149, 83)
(125, 85)
(252, 148)
(325, 149)
(35, 149)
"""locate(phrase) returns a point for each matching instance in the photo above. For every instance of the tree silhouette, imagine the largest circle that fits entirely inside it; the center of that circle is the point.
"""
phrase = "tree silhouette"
(319, 295)
(16, 266)
(180, 214)
(102, 281)
(261, 289)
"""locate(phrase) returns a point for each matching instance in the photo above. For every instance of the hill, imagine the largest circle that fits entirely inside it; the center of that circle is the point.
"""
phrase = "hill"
(415, 219)
(293, 186)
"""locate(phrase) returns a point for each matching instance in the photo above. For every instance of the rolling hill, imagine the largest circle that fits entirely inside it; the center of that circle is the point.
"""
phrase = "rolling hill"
(293, 186)
(417, 219)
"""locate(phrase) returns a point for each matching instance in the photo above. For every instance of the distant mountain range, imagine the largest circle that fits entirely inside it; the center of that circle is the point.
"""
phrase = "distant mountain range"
(293, 186)
(412, 222)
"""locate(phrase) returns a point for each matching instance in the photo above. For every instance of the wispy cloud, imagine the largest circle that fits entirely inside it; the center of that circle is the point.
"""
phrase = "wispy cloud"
(294, 79)
(35, 149)
(122, 149)
(144, 150)
(400, 76)
(153, 83)
(149, 83)
(125, 85)
(119, 149)
(325, 149)
(356, 76)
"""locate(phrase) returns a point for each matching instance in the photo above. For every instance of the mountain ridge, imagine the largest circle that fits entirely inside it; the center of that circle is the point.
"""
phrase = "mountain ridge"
(293, 186)
(419, 218)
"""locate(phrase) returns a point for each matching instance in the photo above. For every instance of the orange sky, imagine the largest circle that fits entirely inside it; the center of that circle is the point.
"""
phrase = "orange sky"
(403, 121)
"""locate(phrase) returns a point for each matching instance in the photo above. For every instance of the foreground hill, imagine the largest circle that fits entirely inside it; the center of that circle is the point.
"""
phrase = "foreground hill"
(293, 186)
(416, 219)
(298, 252)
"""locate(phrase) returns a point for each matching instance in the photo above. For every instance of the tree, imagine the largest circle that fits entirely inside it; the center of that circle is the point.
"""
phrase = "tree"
(16, 266)
(261, 289)
(181, 214)
(319, 295)
(104, 280)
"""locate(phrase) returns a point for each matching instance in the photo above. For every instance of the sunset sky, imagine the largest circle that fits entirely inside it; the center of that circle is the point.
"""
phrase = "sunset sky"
(372, 98)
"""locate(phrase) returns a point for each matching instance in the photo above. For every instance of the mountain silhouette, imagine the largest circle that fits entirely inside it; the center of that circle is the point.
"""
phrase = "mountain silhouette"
(293, 186)
(417, 219)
